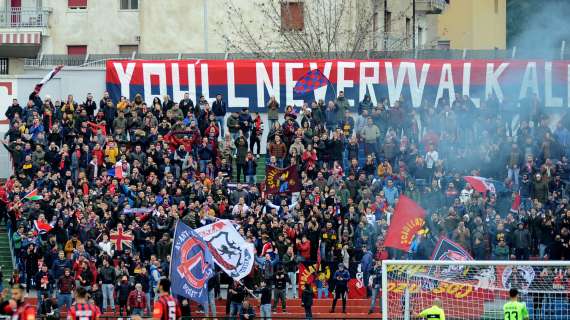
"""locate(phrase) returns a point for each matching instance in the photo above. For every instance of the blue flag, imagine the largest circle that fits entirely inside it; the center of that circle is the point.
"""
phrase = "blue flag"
(191, 266)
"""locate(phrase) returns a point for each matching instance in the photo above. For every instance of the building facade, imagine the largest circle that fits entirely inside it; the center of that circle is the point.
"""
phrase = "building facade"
(473, 24)
(80, 27)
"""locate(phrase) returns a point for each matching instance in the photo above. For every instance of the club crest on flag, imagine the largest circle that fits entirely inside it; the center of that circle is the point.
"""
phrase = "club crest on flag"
(229, 253)
(191, 264)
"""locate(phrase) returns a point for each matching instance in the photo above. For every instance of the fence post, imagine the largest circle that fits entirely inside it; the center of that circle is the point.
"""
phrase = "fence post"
(514, 53)
(133, 55)
(562, 49)
(180, 56)
(464, 54)
(86, 58)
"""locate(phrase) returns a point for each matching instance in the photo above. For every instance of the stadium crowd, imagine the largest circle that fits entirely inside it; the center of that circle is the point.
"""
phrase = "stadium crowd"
(102, 167)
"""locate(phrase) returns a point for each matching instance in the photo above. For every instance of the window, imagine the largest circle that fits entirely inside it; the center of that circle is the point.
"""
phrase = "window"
(128, 48)
(4, 66)
(77, 4)
(387, 21)
(292, 16)
(444, 44)
(129, 4)
(77, 50)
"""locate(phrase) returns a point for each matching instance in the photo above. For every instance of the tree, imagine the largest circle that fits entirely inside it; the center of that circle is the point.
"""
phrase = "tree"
(325, 29)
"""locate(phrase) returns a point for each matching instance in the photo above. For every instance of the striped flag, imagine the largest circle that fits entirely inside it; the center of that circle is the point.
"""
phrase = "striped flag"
(33, 195)
(312, 80)
(42, 227)
(47, 78)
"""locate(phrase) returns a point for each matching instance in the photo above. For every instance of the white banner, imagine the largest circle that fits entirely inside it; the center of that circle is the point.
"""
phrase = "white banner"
(230, 250)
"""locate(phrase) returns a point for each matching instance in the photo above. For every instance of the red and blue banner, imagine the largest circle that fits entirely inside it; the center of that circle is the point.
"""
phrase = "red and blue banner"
(191, 266)
(250, 83)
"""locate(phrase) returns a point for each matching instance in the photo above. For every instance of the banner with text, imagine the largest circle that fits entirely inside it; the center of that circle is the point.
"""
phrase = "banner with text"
(250, 83)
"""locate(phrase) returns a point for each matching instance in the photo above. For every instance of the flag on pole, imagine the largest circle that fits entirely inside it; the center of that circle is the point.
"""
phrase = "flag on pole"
(33, 195)
(407, 221)
(312, 80)
(47, 78)
(42, 227)
(192, 264)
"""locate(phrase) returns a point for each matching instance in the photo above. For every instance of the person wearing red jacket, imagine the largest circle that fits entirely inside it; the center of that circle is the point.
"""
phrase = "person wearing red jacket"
(136, 302)
(304, 248)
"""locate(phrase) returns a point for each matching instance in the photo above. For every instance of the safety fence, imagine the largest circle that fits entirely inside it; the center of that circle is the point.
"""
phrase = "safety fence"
(99, 60)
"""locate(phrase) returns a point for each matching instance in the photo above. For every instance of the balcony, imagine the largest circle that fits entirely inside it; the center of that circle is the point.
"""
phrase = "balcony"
(21, 31)
(431, 6)
(24, 18)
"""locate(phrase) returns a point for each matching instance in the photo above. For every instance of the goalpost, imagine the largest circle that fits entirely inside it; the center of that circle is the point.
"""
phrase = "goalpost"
(475, 289)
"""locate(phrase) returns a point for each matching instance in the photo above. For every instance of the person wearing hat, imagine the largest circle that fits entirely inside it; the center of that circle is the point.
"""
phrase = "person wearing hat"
(341, 277)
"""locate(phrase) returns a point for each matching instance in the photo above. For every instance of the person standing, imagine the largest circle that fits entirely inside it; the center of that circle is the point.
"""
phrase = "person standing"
(265, 301)
(307, 300)
(435, 311)
(513, 309)
(290, 263)
(136, 301)
(65, 285)
(237, 295)
(107, 278)
(281, 280)
(82, 310)
(341, 277)
(375, 285)
(219, 108)
(166, 307)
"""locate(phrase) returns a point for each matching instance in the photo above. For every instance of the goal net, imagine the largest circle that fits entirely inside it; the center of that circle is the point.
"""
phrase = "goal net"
(475, 289)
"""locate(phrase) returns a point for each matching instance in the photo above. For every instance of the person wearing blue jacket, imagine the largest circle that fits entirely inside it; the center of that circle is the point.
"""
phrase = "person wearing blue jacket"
(341, 277)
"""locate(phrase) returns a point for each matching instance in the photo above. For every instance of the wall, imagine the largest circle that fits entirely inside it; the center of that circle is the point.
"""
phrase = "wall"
(474, 24)
(102, 27)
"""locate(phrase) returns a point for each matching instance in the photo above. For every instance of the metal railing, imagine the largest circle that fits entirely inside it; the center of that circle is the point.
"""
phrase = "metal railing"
(24, 18)
(99, 60)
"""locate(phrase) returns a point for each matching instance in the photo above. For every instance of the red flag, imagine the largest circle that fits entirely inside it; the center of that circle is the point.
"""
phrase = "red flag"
(516, 203)
(282, 180)
(408, 219)
(42, 227)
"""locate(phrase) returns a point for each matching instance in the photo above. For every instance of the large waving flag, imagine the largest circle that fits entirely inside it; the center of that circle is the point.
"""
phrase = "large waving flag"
(282, 180)
(231, 252)
(47, 78)
(121, 238)
(483, 185)
(407, 221)
(312, 80)
(191, 266)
